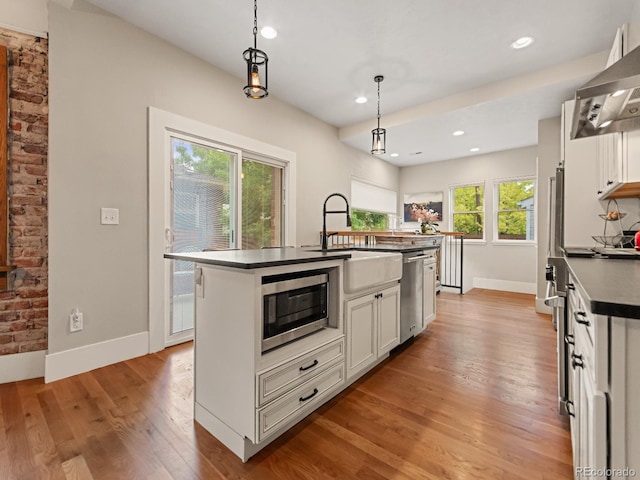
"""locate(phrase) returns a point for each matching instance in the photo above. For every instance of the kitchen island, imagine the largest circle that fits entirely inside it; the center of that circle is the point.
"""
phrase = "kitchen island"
(248, 392)
(603, 341)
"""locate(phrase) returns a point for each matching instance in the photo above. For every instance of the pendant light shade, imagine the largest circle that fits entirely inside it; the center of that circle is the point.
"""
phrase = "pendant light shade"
(257, 61)
(379, 135)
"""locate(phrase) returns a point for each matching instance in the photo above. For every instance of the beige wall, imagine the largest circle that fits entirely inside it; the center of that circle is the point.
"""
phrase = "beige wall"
(507, 266)
(104, 75)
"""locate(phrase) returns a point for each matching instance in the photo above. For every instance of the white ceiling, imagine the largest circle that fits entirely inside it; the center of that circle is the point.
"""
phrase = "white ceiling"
(447, 63)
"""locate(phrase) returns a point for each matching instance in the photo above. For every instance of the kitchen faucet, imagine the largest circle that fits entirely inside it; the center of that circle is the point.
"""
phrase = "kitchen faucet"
(324, 217)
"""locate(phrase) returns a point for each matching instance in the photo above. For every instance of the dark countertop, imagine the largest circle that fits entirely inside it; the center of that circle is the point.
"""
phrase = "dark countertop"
(272, 257)
(249, 259)
(613, 286)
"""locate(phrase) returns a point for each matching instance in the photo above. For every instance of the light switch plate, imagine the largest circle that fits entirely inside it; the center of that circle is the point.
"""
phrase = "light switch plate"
(109, 216)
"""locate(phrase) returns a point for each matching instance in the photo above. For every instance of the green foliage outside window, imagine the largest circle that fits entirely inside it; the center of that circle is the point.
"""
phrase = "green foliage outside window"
(468, 211)
(261, 192)
(515, 210)
(362, 220)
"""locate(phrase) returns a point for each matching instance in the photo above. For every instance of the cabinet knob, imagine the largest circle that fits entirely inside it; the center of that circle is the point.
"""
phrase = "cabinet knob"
(571, 286)
(610, 182)
(581, 318)
(576, 361)
(568, 339)
(570, 410)
(599, 192)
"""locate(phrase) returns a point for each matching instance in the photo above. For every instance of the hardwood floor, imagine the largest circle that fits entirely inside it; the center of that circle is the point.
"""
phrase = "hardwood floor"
(474, 397)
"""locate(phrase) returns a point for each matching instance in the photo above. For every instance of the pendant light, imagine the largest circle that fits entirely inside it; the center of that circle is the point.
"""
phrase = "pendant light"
(379, 140)
(257, 76)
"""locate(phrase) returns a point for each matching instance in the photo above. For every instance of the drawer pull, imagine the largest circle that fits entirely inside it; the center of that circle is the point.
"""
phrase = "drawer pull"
(568, 339)
(581, 317)
(304, 399)
(315, 362)
(571, 286)
(570, 411)
(576, 361)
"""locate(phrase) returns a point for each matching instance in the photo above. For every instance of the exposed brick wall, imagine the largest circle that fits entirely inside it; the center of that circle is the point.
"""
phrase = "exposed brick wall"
(24, 308)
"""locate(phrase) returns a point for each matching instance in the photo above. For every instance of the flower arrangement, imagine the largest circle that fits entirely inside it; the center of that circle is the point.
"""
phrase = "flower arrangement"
(427, 221)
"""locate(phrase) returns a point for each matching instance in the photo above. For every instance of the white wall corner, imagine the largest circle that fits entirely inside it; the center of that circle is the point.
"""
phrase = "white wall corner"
(83, 359)
(21, 366)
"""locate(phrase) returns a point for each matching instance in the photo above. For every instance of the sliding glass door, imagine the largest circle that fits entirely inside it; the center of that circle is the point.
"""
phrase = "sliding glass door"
(203, 191)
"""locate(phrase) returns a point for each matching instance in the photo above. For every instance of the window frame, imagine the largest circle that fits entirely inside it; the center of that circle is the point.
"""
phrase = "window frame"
(496, 211)
(452, 211)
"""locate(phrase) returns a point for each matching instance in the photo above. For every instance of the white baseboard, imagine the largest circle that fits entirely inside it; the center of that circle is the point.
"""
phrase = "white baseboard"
(21, 366)
(504, 285)
(541, 307)
(83, 359)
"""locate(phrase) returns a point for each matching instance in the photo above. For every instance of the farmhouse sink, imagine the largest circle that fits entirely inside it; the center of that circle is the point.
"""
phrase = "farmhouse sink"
(365, 270)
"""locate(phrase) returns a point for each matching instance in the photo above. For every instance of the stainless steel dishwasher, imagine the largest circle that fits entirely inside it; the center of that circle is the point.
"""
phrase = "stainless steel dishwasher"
(411, 294)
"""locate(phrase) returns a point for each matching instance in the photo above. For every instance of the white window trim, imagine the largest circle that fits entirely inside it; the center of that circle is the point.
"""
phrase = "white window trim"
(161, 125)
(496, 191)
(452, 187)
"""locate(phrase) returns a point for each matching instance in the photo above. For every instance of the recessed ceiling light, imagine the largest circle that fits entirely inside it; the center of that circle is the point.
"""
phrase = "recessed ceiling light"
(361, 100)
(605, 124)
(522, 42)
(395, 154)
(474, 149)
(457, 133)
(617, 93)
(269, 32)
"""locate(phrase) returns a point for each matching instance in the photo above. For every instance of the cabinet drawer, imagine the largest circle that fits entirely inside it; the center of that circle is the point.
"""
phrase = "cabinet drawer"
(283, 378)
(294, 405)
(593, 352)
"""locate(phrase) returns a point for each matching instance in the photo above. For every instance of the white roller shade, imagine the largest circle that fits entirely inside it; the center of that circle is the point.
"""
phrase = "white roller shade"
(365, 196)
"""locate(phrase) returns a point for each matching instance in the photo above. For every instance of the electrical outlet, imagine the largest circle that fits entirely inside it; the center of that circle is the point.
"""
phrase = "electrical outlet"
(76, 322)
(109, 216)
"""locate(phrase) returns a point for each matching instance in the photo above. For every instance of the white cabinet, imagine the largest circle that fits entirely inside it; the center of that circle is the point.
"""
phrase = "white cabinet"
(589, 425)
(605, 389)
(429, 296)
(373, 328)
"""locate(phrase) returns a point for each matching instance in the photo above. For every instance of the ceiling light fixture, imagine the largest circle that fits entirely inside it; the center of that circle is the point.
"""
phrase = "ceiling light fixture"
(268, 32)
(379, 135)
(256, 64)
(617, 93)
(474, 149)
(457, 133)
(361, 100)
(522, 42)
(395, 155)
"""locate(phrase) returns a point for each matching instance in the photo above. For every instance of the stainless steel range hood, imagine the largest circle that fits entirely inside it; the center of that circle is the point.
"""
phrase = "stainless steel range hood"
(610, 102)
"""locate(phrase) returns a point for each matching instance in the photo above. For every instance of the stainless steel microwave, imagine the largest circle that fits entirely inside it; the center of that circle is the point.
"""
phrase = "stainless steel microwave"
(294, 305)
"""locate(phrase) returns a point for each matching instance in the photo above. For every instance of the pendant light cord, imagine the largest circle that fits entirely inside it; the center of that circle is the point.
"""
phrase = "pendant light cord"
(255, 24)
(378, 105)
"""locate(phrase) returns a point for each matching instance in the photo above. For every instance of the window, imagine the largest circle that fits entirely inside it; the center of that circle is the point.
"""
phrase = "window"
(262, 204)
(468, 210)
(371, 206)
(363, 220)
(515, 210)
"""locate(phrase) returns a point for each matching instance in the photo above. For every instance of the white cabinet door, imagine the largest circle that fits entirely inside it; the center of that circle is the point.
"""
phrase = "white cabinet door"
(429, 296)
(592, 426)
(388, 319)
(360, 315)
